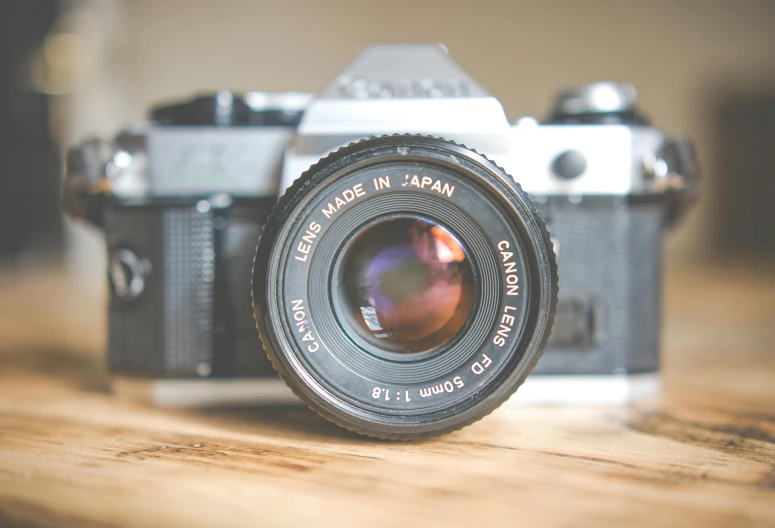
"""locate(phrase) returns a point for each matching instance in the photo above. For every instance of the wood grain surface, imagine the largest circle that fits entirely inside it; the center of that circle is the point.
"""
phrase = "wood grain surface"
(703, 454)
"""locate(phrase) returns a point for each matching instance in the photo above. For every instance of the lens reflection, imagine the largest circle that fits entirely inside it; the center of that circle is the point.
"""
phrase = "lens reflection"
(408, 284)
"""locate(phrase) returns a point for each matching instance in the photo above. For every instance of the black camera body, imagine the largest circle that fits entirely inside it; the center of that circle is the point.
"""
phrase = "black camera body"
(179, 276)
(182, 201)
(608, 316)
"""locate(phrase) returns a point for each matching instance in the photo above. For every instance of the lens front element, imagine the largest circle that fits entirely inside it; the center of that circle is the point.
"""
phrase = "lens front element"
(406, 285)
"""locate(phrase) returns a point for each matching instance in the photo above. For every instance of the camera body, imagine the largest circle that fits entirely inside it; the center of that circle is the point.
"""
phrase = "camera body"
(182, 202)
(606, 183)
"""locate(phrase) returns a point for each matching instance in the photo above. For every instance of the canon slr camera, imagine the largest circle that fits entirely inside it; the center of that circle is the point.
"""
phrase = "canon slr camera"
(404, 284)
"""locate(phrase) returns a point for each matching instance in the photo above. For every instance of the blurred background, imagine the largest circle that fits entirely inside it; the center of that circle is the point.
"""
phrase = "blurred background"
(71, 69)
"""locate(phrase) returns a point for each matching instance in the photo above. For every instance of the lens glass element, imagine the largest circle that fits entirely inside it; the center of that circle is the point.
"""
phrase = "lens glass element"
(405, 284)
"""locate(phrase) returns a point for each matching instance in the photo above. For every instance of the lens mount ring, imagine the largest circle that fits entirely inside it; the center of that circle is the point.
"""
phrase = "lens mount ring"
(464, 378)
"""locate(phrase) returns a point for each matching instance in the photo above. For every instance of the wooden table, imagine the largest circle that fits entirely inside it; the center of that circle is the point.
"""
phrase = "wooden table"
(704, 454)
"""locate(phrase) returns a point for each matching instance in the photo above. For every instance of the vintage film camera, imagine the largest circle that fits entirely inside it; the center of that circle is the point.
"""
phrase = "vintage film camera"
(182, 202)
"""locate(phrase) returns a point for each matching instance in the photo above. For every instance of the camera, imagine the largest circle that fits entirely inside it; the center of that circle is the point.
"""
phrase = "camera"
(182, 200)
(404, 284)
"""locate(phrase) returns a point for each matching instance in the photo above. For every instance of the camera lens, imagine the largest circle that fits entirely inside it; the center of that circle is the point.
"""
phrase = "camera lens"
(404, 286)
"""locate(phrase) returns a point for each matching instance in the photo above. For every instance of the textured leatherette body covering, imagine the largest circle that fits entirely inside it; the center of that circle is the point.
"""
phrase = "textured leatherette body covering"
(609, 262)
(195, 315)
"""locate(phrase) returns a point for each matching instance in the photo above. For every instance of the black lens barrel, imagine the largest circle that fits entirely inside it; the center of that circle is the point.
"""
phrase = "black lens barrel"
(302, 276)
